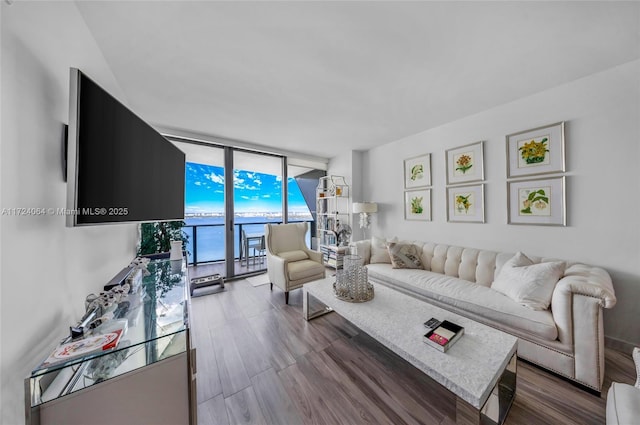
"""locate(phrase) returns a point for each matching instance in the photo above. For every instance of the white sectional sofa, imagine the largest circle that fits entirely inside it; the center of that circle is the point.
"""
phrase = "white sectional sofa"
(566, 338)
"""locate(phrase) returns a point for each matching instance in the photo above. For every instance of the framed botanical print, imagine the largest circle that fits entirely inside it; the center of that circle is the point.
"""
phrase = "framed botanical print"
(537, 201)
(417, 171)
(465, 203)
(465, 164)
(417, 205)
(536, 151)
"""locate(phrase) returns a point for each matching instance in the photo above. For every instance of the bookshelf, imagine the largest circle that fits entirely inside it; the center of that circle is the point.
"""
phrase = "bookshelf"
(332, 210)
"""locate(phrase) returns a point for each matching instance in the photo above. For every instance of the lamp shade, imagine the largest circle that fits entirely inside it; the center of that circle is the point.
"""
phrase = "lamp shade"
(365, 207)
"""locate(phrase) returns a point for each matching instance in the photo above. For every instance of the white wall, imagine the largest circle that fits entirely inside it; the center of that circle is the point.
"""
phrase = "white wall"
(349, 164)
(46, 269)
(602, 115)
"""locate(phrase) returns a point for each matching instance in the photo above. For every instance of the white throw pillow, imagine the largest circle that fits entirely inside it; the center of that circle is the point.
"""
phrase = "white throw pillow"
(529, 284)
(379, 252)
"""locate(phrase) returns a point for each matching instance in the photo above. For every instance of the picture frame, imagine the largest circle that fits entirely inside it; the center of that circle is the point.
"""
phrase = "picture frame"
(417, 171)
(417, 204)
(539, 202)
(465, 163)
(537, 151)
(465, 203)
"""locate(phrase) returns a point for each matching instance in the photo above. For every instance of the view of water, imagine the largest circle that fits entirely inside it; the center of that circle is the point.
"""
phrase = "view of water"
(210, 234)
(257, 200)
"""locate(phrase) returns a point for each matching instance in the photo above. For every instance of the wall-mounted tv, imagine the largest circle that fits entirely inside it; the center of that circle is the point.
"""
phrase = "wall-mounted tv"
(119, 168)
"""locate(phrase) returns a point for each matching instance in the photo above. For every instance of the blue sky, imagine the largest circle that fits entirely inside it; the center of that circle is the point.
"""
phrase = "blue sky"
(253, 192)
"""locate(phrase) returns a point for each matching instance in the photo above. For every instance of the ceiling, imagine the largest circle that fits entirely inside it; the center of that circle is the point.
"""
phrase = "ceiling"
(321, 77)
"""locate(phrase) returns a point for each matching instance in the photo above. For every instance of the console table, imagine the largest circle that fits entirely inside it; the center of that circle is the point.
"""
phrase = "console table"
(149, 376)
(480, 368)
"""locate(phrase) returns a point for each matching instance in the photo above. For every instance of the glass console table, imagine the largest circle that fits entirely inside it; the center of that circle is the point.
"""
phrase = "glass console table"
(149, 375)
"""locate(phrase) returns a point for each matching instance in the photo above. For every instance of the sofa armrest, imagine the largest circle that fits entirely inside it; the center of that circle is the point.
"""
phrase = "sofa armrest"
(579, 284)
(362, 249)
(588, 281)
(314, 255)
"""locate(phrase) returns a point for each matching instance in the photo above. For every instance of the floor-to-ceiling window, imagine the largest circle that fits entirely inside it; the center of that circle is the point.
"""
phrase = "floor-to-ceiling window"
(257, 200)
(230, 195)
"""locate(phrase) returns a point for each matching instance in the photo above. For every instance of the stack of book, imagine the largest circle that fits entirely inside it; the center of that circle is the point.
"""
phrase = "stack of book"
(325, 253)
(442, 334)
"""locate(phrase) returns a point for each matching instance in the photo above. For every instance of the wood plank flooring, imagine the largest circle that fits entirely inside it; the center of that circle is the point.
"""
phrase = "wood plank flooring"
(259, 362)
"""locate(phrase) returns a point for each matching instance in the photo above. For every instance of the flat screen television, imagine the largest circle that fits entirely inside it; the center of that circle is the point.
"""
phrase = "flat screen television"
(119, 168)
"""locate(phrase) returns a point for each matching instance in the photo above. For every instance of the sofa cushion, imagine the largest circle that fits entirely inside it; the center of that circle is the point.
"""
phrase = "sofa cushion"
(623, 404)
(379, 252)
(468, 296)
(528, 283)
(304, 269)
(404, 256)
(295, 255)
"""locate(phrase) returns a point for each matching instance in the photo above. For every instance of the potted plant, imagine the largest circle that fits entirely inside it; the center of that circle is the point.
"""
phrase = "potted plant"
(156, 237)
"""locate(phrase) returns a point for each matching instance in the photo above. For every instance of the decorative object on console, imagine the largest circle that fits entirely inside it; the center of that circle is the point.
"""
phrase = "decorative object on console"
(141, 263)
(465, 203)
(365, 209)
(352, 282)
(537, 201)
(536, 151)
(417, 205)
(176, 250)
(417, 172)
(465, 164)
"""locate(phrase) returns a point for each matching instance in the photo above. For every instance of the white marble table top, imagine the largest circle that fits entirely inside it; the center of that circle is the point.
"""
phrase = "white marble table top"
(469, 369)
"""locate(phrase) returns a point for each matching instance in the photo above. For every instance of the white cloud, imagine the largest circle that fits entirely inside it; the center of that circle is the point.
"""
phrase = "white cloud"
(197, 183)
(215, 178)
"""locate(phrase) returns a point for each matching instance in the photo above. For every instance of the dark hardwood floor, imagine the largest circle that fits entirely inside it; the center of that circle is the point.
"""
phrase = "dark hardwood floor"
(259, 362)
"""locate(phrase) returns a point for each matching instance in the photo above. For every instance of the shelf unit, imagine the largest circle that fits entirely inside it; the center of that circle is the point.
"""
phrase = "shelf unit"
(332, 210)
(154, 357)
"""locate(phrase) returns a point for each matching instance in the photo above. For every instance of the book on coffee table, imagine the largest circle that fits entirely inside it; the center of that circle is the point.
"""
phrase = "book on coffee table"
(443, 335)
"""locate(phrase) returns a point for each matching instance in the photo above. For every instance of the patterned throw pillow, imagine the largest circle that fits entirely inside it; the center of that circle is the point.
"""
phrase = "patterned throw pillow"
(404, 256)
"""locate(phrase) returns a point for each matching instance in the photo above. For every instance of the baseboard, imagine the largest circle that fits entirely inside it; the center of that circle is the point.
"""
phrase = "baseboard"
(619, 345)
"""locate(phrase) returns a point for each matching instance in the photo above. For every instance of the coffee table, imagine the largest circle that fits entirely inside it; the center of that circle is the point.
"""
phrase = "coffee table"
(480, 368)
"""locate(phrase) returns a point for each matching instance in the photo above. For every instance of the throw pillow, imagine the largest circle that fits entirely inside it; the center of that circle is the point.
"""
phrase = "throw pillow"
(292, 256)
(379, 253)
(529, 284)
(404, 256)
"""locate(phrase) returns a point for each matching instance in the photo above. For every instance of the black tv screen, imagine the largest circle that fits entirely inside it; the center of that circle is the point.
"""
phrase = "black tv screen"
(120, 169)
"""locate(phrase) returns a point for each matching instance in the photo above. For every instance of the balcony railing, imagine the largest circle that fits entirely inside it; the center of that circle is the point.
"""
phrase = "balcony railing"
(206, 241)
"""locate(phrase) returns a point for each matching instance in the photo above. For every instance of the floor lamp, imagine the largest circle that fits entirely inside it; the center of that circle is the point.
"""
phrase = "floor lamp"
(365, 209)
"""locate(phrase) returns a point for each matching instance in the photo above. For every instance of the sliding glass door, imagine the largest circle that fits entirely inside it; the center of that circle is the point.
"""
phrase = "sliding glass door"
(205, 214)
(257, 200)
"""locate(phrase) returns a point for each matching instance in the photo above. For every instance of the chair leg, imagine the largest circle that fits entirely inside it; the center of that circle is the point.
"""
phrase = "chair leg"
(271, 283)
(286, 297)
